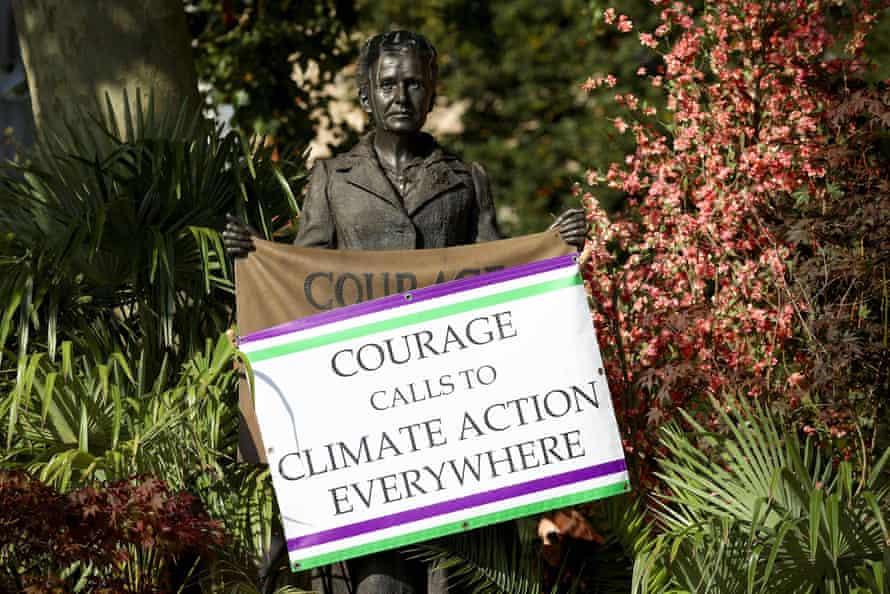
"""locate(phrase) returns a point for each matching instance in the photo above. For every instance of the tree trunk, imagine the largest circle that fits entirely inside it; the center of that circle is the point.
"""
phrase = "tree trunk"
(76, 52)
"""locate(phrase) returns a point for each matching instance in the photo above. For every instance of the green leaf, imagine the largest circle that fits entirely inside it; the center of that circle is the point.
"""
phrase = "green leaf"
(816, 507)
(48, 393)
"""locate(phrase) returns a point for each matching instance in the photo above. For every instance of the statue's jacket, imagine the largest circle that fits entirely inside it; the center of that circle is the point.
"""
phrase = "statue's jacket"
(350, 204)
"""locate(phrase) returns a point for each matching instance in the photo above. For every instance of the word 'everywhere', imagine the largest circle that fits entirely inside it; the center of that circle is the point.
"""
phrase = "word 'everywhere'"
(479, 467)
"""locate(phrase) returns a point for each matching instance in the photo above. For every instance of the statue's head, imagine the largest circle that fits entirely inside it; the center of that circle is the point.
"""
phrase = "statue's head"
(397, 73)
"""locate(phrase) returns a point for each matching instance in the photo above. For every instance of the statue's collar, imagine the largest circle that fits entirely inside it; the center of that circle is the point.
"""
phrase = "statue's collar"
(364, 149)
(362, 169)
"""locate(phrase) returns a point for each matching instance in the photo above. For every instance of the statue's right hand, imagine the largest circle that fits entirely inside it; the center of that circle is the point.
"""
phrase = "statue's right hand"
(238, 237)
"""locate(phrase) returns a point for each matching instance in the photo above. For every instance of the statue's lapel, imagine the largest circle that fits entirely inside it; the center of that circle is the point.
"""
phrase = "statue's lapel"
(437, 178)
(367, 176)
(361, 170)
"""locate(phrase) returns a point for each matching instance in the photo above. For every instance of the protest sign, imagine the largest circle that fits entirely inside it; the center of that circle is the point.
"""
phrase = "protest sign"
(435, 411)
(280, 282)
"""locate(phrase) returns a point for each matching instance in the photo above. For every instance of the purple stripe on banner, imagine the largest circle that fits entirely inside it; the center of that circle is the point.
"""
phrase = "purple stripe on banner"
(453, 505)
(417, 295)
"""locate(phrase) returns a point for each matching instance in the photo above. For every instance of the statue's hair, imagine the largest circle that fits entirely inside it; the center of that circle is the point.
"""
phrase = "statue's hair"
(394, 41)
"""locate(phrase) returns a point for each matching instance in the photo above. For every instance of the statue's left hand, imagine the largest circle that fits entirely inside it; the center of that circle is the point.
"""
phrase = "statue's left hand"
(572, 227)
(238, 237)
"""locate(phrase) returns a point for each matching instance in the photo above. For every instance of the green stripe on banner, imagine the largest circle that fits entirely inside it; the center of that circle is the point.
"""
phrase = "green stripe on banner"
(414, 318)
(461, 526)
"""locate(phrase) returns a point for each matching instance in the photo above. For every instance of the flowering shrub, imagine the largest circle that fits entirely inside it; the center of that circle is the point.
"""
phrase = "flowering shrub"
(49, 541)
(692, 284)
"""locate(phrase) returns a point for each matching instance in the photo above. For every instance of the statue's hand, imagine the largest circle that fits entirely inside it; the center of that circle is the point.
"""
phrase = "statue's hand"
(572, 227)
(238, 237)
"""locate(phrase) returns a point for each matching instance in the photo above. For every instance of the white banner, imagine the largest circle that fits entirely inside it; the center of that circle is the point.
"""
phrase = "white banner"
(435, 411)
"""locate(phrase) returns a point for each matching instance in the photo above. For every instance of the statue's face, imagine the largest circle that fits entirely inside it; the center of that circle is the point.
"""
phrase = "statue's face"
(400, 92)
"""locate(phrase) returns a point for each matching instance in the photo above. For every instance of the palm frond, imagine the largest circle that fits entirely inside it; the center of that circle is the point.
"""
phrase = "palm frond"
(109, 238)
(489, 560)
(79, 420)
(759, 509)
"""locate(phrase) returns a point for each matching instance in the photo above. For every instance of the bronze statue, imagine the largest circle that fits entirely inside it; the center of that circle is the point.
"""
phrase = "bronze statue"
(396, 189)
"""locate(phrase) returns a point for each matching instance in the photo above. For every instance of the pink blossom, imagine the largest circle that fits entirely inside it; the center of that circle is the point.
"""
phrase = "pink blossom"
(625, 25)
(620, 125)
(795, 379)
(648, 40)
(596, 82)
(589, 85)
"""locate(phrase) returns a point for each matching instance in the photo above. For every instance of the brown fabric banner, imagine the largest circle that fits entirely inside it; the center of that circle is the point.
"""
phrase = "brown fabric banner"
(278, 283)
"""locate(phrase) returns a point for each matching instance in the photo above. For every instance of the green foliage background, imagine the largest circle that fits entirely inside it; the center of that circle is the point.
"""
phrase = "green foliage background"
(246, 51)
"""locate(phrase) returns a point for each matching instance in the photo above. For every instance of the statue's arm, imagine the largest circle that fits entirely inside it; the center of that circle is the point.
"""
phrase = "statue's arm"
(487, 229)
(317, 227)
